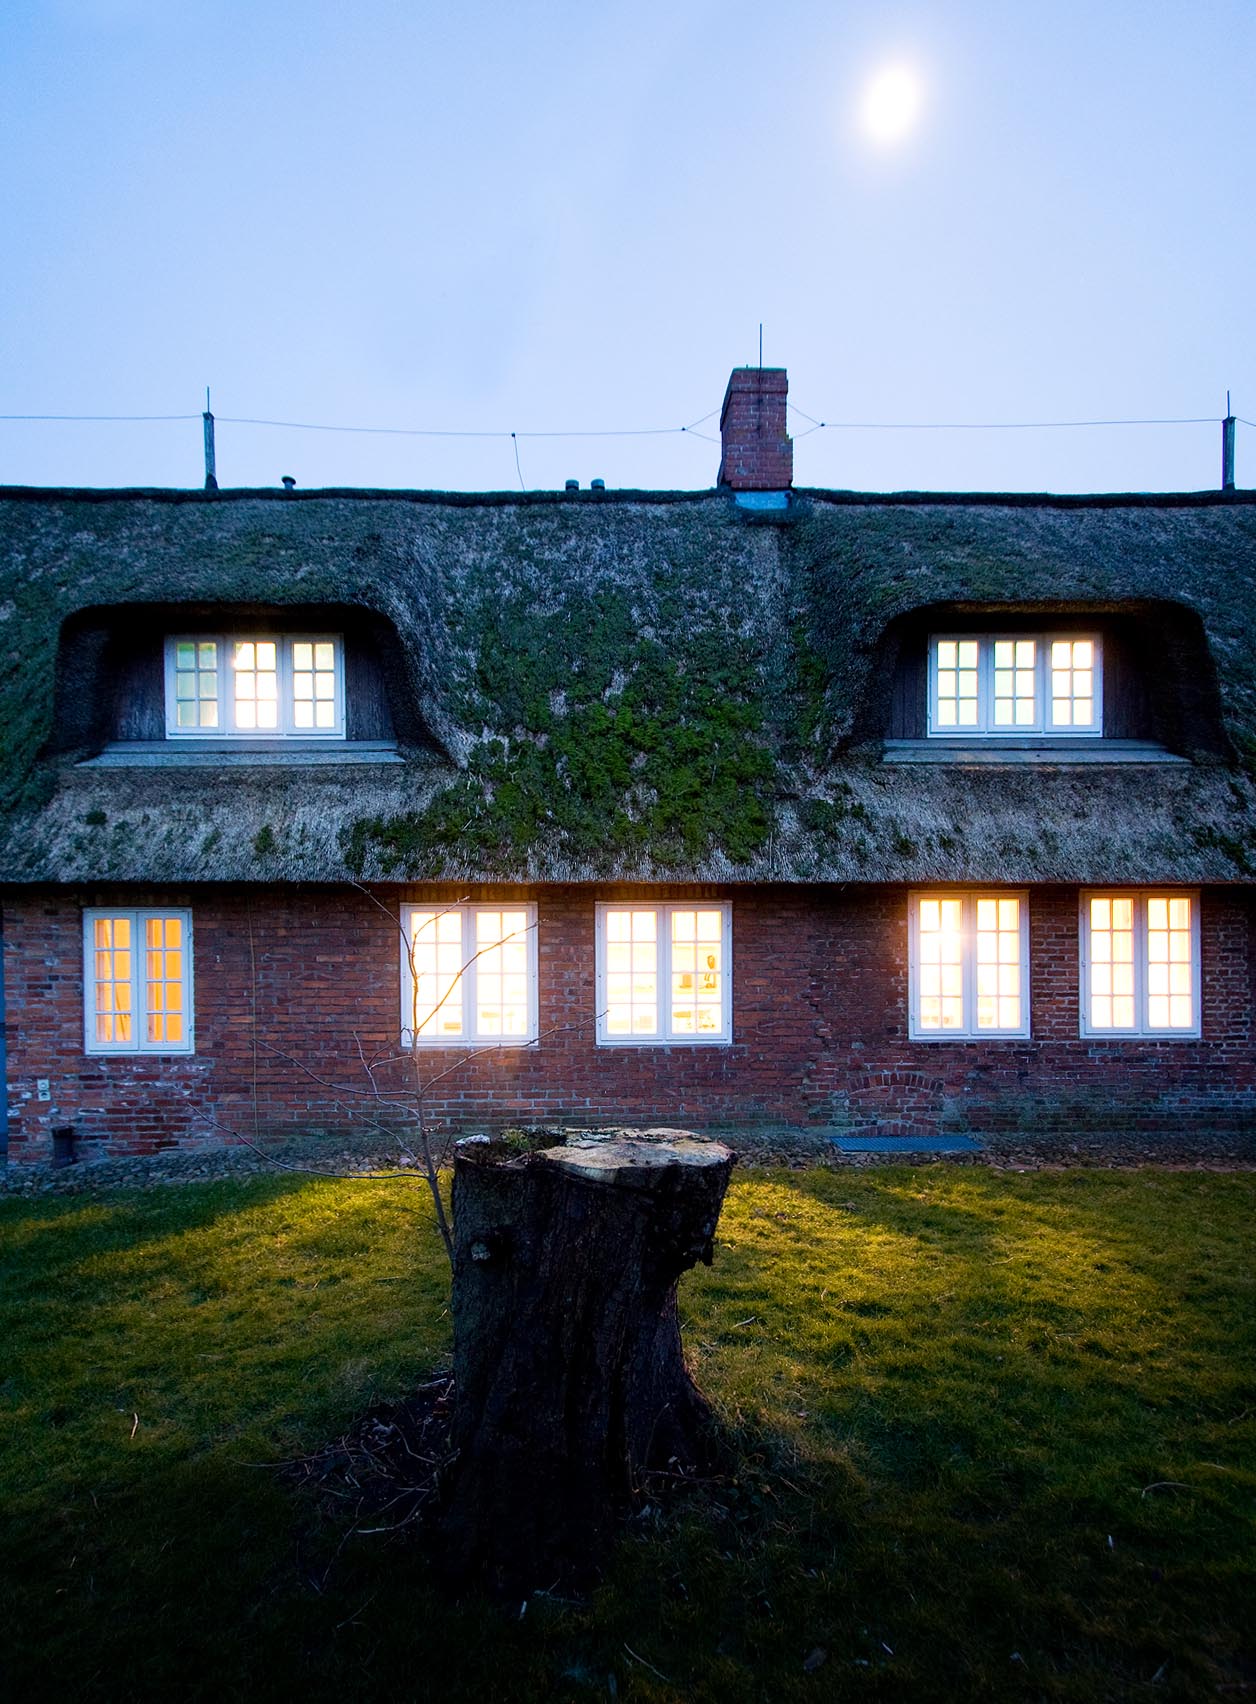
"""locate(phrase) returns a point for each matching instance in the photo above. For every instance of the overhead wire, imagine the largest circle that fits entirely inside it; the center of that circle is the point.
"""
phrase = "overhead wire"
(988, 425)
(114, 419)
(691, 429)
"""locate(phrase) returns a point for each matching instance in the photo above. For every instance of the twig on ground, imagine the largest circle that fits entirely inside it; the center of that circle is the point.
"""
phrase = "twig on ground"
(638, 1659)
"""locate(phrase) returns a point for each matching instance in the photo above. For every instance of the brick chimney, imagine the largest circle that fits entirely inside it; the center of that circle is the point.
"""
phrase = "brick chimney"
(756, 454)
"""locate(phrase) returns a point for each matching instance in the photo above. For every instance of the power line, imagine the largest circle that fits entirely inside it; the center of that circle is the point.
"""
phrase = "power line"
(114, 419)
(628, 431)
(690, 430)
(988, 425)
(1193, 420)
(431, 432)
(381, 431)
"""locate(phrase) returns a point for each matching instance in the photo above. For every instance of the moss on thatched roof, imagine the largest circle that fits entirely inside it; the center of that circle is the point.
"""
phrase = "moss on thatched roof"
(625, 686)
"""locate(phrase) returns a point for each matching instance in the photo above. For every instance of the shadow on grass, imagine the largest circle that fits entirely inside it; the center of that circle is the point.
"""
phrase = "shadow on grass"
(991, 1439)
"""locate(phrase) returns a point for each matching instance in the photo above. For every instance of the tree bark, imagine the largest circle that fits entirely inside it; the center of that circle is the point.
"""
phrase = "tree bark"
(569, 1378)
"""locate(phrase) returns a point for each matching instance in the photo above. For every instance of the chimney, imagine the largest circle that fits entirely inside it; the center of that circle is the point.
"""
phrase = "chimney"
(756, 453)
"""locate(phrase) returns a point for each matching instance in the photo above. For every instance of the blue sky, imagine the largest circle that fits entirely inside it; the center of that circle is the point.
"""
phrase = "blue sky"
(540, 218)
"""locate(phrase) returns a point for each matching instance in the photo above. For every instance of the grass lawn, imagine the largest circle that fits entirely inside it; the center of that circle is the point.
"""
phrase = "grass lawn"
(995, 1440)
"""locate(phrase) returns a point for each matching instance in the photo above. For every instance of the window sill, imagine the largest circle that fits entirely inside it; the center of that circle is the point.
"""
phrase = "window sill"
(241, 754)
(973, 1037)
(665, 1041)
(1002, 750)
(473, 1044)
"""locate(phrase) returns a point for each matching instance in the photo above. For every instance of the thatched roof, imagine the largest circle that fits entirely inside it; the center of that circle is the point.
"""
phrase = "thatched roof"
(630, 686)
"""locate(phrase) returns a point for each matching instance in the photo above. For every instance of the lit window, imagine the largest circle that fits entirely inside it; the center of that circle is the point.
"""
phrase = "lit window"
(195, 706)
(1140, 964)
(969, 965)
(137, 981)
(287, 687)
(663, 973)
(1073, 663)
(1027, 684)
(469, 974)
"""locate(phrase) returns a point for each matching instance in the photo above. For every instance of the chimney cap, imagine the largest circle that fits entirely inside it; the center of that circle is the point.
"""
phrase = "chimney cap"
(572, 485)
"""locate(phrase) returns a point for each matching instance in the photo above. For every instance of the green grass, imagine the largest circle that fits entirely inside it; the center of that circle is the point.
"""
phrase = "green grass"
(993, 1440)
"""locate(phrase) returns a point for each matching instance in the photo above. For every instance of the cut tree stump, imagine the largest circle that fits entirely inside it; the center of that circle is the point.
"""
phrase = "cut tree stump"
(569, 1380)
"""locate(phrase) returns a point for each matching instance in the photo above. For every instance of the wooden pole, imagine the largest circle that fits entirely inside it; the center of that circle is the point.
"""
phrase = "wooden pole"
(211, 470)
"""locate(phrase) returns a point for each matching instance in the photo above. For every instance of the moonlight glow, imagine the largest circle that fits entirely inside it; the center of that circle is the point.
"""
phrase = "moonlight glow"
(891, 104)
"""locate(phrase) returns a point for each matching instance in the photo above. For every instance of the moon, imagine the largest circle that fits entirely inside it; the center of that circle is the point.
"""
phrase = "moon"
(891, 105)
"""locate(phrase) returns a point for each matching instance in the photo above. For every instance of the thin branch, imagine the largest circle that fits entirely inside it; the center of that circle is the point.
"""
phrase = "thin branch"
(307, 1171)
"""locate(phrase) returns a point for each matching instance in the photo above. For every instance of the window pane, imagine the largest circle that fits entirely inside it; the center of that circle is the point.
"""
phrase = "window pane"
(998, 946)
(1111, 953)
(196, 683)
(697, 972)
(632, 995)
(255, 689)
(500, 993)
(1015, 683)
(436, 958)
(955, 678)
(314, 684)
(939, 937)
(1170, 971)
(1072, 683)
(163, 979)
(111, 986)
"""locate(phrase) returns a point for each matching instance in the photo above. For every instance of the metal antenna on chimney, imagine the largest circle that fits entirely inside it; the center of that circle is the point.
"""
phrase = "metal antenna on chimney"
(760, 345)
(1227, 447)
(211, 470)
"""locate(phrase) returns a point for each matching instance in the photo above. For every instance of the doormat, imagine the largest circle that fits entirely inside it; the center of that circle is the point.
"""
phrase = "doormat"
(906, 1145)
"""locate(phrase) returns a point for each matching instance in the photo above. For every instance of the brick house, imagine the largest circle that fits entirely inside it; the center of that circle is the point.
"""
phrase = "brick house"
(896, 814)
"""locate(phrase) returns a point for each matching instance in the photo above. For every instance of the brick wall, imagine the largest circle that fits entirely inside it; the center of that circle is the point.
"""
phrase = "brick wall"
(819, 1013)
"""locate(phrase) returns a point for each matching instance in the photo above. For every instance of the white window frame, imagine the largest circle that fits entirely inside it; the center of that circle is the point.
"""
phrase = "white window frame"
(1041, 725)
(1141, 1029)
(665, 1036)
(467, 985)
(968, 897)
(283, 643)
(139, 1009)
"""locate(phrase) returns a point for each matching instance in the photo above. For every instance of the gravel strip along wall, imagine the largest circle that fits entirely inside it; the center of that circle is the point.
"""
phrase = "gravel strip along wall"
(318, 1156)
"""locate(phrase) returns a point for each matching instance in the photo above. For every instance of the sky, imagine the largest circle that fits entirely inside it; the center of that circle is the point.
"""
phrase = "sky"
(563, 218)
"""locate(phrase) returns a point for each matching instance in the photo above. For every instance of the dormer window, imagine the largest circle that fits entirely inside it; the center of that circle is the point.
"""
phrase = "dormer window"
(257, 686)
(1021, 683)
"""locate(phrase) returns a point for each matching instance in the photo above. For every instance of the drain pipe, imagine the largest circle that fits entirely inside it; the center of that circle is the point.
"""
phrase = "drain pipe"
(4, 1062)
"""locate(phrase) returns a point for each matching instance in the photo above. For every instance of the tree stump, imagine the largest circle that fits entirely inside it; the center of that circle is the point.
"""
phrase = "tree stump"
(569, 1378)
